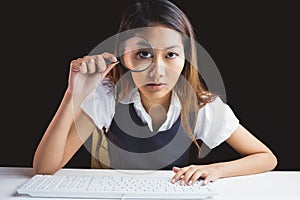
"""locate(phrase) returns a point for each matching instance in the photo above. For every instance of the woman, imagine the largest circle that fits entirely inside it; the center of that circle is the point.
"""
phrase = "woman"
(167, 99)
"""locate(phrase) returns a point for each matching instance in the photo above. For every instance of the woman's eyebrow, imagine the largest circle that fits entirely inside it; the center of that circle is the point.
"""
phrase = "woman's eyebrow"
(143, 43)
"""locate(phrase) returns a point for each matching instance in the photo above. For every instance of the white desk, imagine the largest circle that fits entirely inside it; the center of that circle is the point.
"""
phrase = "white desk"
(273, 185)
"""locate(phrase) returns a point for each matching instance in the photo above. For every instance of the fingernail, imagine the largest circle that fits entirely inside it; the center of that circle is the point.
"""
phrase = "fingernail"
(182, 183)
(173, 180)
(114, 63)
(113, 59)
(190, 182)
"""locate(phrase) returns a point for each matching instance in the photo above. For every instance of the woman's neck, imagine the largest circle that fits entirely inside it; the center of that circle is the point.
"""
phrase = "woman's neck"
(164, 102)
(157, 109)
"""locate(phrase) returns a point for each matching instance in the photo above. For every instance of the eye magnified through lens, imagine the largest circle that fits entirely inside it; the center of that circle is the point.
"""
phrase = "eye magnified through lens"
(136, 54)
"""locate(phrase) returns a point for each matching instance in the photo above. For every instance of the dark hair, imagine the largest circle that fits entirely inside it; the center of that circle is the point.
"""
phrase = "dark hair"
(150, 13)
(145, 13)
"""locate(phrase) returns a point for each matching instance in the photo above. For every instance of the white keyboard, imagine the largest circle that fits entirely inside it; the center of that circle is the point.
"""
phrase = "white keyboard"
(108, 186)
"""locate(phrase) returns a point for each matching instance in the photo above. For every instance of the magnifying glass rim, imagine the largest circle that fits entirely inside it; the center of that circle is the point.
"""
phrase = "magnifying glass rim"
(122, 61)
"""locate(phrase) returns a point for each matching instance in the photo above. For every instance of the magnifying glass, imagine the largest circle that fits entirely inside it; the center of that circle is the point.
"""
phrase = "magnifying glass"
(135, 54)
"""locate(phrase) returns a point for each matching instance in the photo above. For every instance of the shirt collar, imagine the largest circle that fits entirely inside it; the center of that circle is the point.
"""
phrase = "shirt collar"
(132, 97)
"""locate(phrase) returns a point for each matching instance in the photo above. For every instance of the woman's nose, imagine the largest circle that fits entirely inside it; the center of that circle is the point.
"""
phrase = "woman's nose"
(158, 68)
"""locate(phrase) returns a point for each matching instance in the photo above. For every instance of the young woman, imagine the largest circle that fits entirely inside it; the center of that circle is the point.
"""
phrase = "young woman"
(152, 102)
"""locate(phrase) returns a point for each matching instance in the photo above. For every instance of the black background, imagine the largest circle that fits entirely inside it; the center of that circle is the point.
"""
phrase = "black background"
(254, 44)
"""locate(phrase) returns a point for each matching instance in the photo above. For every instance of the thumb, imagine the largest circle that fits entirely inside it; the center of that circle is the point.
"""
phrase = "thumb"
(175, 169)
(107, 70)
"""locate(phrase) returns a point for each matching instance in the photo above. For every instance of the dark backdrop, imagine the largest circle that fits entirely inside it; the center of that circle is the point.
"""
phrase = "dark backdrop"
(254, 44)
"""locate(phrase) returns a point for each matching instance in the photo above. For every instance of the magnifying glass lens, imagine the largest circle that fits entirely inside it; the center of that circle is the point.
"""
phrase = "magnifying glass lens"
(136, 54)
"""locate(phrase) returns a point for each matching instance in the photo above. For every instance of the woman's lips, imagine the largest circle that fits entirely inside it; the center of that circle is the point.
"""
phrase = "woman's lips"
(155, 86)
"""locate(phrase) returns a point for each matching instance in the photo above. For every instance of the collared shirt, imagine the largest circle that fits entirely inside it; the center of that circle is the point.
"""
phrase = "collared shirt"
(215, 121)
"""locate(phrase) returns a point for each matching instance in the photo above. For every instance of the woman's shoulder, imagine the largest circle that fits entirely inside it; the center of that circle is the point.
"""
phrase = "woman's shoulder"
(105, 86)
(100, 103)
(103, 93)
(215, 122)
(215, 106)
(217, 111)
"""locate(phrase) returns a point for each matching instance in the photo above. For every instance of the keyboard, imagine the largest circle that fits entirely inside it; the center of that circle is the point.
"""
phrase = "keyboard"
(112, 186)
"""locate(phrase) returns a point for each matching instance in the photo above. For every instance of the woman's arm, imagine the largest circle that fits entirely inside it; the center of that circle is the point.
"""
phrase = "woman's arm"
(70, 126)
(257, 158)
(61, 139)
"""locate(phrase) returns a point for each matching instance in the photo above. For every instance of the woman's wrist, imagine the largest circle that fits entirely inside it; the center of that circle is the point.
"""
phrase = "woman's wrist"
(221, 168)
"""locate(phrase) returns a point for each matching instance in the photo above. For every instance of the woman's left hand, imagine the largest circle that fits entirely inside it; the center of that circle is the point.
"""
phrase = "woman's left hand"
(190, 174)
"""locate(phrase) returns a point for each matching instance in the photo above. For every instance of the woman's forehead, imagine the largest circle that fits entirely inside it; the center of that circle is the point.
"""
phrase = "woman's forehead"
(161, 37)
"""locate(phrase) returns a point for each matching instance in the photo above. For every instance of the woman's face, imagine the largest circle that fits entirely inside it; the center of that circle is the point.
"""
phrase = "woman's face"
(167, 58)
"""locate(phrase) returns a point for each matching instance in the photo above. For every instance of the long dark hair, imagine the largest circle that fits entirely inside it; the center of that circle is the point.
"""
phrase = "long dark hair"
(149, 13)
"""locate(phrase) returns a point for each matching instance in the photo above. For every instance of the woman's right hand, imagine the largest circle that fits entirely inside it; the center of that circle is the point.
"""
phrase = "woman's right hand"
(87, 72)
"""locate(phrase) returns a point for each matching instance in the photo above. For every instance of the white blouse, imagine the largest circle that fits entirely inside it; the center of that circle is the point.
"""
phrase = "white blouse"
(215, 122)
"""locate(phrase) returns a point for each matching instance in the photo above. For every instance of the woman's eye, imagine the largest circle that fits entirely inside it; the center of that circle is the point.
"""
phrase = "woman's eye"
(171, 55)
(144, 54)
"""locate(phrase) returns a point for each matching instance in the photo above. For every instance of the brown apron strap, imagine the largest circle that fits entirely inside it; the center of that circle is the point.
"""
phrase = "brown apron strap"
(100, 157)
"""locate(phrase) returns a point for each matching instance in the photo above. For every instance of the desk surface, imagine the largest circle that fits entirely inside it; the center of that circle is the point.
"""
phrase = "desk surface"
(271, 185)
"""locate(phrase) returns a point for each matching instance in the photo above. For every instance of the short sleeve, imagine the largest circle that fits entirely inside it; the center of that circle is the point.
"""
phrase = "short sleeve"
(215, 123)
(100, 104)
